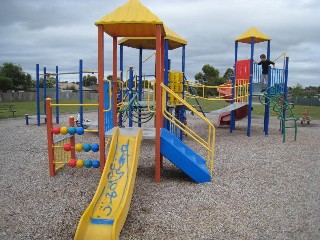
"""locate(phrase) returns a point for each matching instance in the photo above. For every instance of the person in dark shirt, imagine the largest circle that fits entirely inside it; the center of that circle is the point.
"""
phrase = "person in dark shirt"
(265, 66)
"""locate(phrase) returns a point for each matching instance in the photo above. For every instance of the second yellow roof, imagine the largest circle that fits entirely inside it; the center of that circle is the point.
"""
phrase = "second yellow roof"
(175, 41)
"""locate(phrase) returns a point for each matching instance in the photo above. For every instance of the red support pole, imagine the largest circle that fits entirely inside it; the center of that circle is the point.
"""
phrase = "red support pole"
(72, 139)
(115, 79)
(100, 96)
(50, 137)
(159, 117)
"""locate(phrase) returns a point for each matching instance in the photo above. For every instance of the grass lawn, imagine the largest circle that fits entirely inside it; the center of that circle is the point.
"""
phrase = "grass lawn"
(23, 108)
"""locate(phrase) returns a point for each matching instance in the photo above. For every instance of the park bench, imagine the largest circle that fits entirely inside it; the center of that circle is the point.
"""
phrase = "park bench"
(4, 108)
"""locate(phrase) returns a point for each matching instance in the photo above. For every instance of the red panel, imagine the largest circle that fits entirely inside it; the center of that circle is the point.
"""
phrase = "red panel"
(243, 71)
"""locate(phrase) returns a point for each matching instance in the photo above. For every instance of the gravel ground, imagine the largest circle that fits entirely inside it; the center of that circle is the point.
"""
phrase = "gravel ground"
(261, 189)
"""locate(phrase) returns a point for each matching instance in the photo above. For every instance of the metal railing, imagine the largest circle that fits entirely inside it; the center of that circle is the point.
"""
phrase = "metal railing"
(209, 143)
(224, 91)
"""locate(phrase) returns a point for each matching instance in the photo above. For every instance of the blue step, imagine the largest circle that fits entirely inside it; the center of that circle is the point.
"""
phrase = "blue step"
(183, 157)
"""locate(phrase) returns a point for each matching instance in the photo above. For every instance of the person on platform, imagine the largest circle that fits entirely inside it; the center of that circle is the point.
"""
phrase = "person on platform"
(265, 66)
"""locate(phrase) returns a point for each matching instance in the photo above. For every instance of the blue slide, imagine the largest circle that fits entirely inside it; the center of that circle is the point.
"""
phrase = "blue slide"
(183, 157)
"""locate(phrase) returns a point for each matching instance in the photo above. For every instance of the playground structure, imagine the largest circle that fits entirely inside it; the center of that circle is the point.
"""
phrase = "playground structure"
(106, 214)
(56, 74)
(116, 184)
(246, 85)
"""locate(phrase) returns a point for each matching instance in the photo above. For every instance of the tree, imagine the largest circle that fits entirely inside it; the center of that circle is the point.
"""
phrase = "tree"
(209, 77)
(20, 80)
(50, 82)
(228, 75)
(297, 91)
(27, 83)
(5, 83)
(89, 80)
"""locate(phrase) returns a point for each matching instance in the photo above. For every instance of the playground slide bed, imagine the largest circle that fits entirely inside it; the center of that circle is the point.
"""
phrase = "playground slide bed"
(261, 189)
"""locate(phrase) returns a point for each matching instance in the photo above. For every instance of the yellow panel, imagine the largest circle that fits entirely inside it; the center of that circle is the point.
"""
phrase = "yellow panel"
(132, 19)
(252, 33)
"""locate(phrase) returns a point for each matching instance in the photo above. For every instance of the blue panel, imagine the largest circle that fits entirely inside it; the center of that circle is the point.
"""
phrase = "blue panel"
(38, 92)
(108, 116)
(183, 157)
(101, 221)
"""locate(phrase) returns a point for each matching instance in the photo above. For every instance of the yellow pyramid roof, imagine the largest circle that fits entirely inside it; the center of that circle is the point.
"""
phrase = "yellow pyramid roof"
(175, 41)
(252, 33)
(132, 19)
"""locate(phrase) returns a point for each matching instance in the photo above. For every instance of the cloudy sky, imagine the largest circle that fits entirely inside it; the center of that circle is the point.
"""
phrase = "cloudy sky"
(61, 32)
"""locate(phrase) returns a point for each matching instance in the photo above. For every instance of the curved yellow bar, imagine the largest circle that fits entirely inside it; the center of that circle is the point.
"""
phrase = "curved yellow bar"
(107, 212)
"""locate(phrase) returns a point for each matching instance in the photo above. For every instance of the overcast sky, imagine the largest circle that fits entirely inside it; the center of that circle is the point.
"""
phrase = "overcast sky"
(61, 32)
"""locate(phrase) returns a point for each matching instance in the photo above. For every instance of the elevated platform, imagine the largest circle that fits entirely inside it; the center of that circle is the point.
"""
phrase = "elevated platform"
(230, 108)
(147, 133)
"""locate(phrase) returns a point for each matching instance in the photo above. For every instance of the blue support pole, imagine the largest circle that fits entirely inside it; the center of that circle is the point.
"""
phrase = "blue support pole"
(130, 95)
(286, 72)
(285, 90)
(233, 113)
(166, 62)
(140, 84)
(57, 95)
(44, 90)
(268, 50)
(140, 75)
(250, 89)
(267, 106)
(183, 60)
(183, 68)
(38, 93)
(81, 91)
(120, 97)
(166, 76)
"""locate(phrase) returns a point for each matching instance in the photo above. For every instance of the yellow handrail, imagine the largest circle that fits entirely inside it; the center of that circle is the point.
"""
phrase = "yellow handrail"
(284, 54)
(127, 79)
(149, 57)
(153, 97)
(207, 144)
(241, 92)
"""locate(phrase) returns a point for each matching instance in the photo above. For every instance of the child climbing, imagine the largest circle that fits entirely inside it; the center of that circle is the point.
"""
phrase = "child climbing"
(265, 66)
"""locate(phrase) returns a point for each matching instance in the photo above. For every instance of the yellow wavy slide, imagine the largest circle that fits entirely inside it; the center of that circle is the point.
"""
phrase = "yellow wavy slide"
(107, 212)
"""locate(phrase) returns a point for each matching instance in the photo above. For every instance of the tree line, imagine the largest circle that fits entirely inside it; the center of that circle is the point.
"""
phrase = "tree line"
(13, 78)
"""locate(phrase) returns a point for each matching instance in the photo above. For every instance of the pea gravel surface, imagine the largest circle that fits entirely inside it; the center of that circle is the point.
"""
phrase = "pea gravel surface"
(261, 188)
